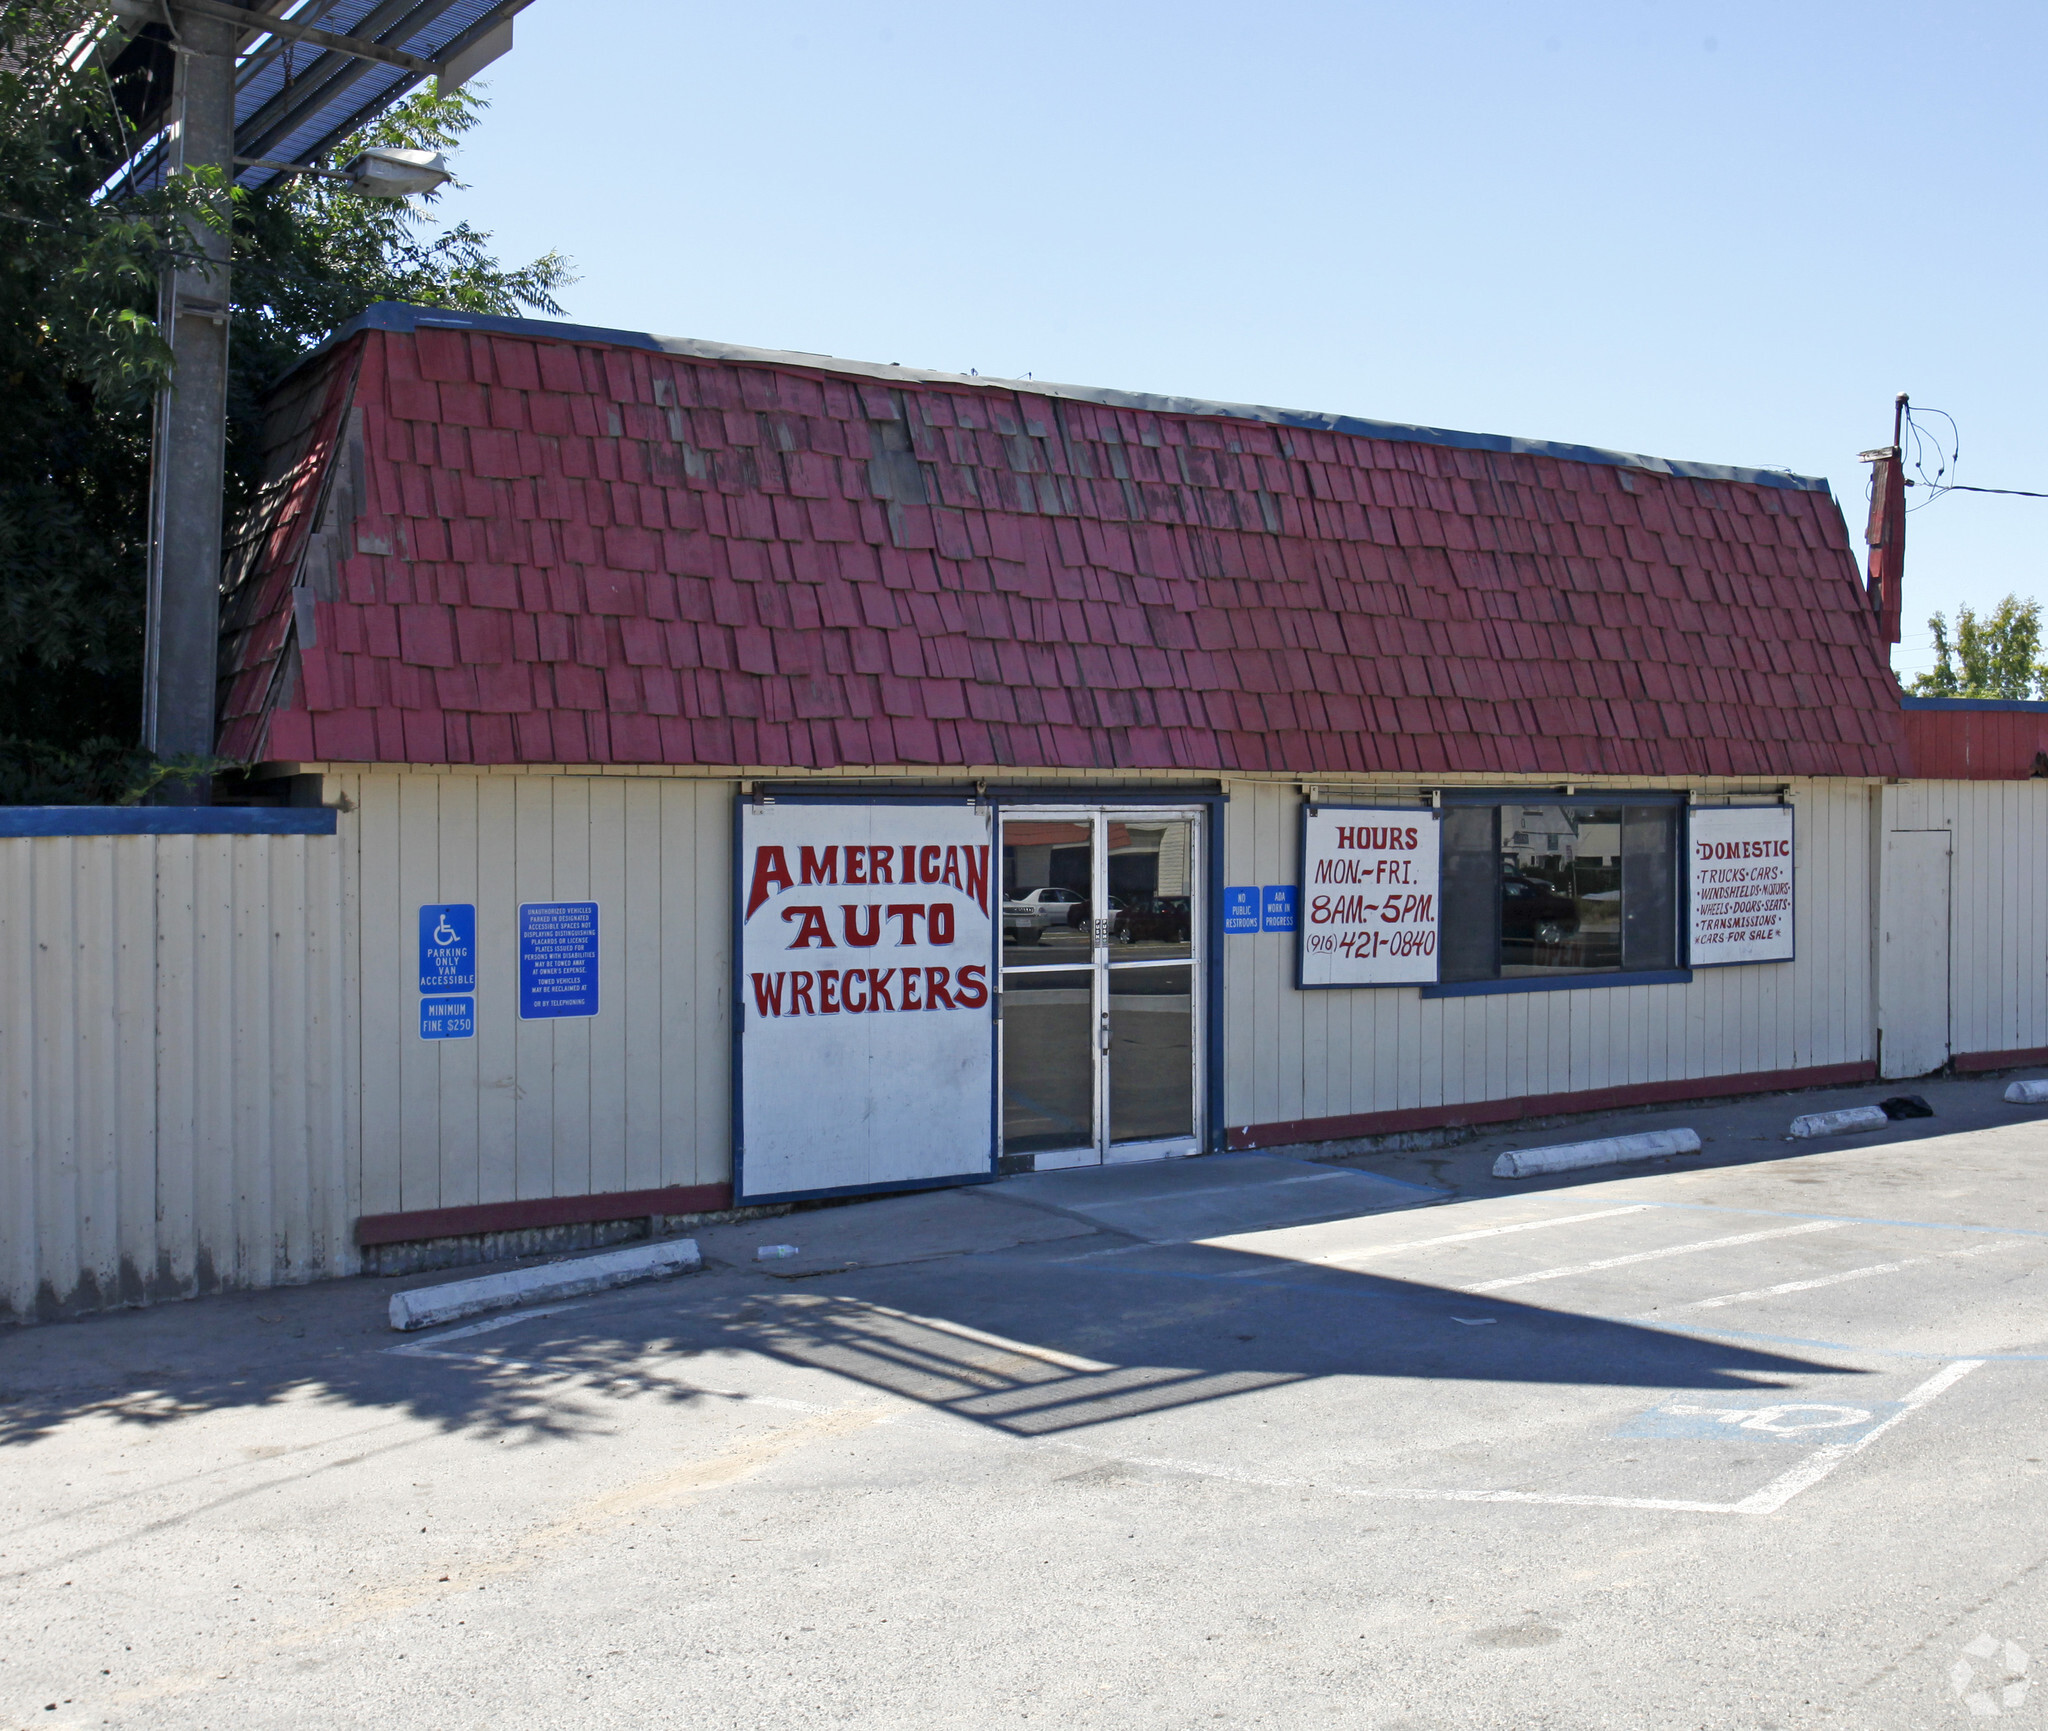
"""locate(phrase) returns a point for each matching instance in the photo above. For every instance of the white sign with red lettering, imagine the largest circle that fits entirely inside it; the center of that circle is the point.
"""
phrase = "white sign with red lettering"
(1741, 883)
(866, 1003)
(1369, 896)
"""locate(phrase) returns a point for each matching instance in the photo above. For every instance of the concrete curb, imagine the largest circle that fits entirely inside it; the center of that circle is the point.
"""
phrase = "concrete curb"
(1608, 1151)
(427, 1306)
(2028, 1094)
(1840, 1123)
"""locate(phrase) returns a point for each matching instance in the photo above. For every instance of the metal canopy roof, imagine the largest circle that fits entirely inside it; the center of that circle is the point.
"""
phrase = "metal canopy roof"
(295, 99)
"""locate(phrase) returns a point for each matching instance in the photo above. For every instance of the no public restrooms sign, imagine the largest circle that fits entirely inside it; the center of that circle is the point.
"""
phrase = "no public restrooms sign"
(866, 1032)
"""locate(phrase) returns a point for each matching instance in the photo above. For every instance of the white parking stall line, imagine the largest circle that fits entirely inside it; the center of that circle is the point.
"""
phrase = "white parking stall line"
(980, 1337)
(1837, 1279)
(1809, 1472)
(490, 1325)
(1656, 1255)
(1482, 1232)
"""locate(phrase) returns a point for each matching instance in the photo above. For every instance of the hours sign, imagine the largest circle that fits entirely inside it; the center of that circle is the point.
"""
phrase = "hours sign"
(1369, 896)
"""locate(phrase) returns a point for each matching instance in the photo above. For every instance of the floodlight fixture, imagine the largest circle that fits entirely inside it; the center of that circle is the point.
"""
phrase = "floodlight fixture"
(384, 171)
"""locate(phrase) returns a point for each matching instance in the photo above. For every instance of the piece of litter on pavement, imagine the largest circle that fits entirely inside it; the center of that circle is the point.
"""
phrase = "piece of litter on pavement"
(1476, 1321)
(768, 1252)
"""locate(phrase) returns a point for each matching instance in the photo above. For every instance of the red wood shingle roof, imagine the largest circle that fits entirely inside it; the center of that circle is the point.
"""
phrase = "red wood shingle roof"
(518, 542)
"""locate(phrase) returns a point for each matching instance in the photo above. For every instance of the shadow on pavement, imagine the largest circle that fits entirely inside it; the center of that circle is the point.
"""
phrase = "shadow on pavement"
(1027, 1344)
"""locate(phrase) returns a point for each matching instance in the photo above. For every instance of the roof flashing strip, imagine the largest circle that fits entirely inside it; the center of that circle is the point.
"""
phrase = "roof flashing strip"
(1992, 705)
(62, 820)
(397, 316)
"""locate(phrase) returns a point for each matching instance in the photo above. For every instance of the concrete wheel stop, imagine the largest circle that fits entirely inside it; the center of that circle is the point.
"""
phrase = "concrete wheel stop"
(429, 1306)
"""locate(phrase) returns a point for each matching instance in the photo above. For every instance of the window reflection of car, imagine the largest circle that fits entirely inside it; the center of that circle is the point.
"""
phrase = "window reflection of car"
(1027, 913)
(1533, 911)
(1084, 911)
(1154, 920)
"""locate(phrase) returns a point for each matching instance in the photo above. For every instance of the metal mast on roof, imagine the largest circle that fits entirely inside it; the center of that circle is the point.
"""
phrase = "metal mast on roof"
(209, 86)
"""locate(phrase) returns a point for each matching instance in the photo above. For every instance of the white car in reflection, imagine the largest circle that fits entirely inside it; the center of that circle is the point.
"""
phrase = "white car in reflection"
(1029, 912)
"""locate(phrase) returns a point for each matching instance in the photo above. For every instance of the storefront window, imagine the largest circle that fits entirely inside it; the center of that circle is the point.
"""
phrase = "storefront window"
(1546, 888)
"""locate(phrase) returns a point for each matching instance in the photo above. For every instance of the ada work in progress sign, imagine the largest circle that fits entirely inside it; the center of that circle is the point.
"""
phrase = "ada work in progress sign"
(1369, 900)
(867, 1032)
(1741, 884)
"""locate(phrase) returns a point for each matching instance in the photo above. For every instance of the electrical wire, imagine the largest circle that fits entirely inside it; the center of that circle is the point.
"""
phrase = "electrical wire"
(1924, 445)
(2009, 492)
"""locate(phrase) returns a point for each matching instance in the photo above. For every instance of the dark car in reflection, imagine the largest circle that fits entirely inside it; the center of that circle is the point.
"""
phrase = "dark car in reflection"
(1535, 912)
(1084, 910)
(1154, 920)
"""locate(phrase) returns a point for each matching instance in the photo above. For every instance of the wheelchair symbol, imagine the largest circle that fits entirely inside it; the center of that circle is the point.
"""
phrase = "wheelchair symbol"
(1788, 1420)
(444, 933)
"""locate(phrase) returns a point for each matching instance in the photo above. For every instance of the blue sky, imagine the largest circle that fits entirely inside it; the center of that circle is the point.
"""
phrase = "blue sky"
(1728, 233)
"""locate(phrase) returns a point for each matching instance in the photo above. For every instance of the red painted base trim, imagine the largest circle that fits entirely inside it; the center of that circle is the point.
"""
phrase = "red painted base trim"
(1968, 1062)
(540, 1211)
(1545, 1105)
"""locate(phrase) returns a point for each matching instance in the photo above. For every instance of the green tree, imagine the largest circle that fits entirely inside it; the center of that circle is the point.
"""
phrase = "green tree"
(1999, 655)
(81, 360)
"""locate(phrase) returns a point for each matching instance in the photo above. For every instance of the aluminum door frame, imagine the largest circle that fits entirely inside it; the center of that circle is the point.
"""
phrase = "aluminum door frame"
(1098, 815)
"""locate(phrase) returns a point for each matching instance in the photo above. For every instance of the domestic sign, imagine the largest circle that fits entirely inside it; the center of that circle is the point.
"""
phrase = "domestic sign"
(1241, 908)
(867, 998)
(1740, 859)
(1369, 896)
(447, 1018)
(448, 947)
(1276, 908)
(557, 960)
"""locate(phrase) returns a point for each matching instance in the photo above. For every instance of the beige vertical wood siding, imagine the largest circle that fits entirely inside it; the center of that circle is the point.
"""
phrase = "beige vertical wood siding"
(171, 1047)
(640, 1096)
(1998, 905)
(211, 1064)
(635, 1098)
(1292, 1055)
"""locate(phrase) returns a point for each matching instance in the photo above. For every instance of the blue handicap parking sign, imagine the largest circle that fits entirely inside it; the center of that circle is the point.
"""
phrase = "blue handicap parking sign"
(448, 947)
(1276, 908)
(557, 959)
(1241, 908)
(447, 1018)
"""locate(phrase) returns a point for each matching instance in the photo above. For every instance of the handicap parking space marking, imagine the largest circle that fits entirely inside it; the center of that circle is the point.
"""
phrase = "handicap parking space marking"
(1800, 1422)
(1836, 1446)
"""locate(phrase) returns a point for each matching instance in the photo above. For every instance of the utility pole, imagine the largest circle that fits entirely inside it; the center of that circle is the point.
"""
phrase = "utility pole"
(188, 464)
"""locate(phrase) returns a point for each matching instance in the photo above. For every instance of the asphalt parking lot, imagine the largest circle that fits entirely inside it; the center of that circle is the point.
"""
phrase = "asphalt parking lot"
(1750, 1440)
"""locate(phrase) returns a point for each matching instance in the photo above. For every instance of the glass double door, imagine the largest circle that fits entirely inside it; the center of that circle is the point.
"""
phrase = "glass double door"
(1102, 945)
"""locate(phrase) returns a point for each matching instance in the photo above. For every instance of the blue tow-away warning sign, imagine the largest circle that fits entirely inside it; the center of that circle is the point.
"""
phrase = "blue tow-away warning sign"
(557, 959)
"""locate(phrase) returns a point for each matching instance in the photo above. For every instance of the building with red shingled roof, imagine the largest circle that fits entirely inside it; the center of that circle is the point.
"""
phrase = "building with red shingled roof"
(646, 656)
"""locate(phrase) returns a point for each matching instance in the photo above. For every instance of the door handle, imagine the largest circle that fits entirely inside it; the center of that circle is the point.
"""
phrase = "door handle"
(1105, 1032)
